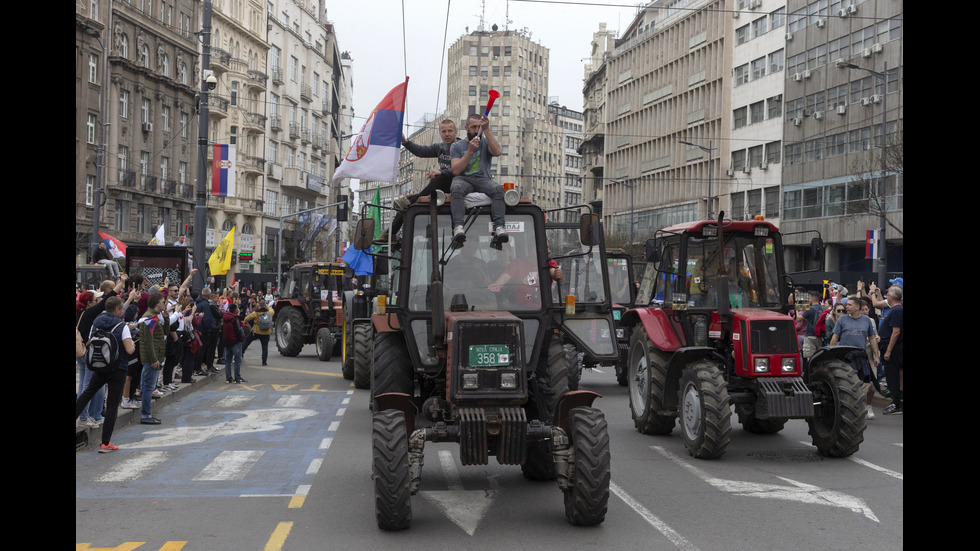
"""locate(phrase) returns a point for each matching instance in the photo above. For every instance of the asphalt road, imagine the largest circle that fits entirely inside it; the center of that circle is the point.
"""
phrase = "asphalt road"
(283, 462)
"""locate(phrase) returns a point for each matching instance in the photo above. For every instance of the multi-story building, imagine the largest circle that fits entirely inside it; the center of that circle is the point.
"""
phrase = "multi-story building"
(834, 102)
(758, 29)
(308, 99)
(238, 117)
(668, 82)
(91, 39)
(594, 113)
(149, 99)
(515, 66)
(570, 123)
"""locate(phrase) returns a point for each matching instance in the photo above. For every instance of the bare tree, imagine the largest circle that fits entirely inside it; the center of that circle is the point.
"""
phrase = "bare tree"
(864, 192)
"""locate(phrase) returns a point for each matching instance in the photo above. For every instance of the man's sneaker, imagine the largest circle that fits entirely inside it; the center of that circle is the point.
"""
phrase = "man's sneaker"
(499, 237)
(229, 380)
(106, 448)
(459, 236)
(892, 409)
(871, 412)
(149, 421)
(156, 394)
(241, 381)
(382, 239)
(402, 203)
(129, 404)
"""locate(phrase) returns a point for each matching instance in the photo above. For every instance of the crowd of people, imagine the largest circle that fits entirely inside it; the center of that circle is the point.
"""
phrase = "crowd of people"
(158, 333)
(869, 320)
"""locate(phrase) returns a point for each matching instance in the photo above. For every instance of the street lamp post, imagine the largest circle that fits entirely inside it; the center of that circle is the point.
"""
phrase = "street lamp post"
(201, 204)
(707, 150)
(882, 259)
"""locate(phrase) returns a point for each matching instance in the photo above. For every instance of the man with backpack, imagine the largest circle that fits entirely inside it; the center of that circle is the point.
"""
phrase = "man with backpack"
(106, 354)
(260, 320)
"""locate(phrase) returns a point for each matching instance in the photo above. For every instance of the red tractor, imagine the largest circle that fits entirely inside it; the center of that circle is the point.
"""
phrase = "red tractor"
(310, 309)
(717, 335)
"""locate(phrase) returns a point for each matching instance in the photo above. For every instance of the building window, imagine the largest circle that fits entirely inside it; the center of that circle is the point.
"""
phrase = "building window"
(739, 117)
(758, 68)
(90, 129)
(742, 35)
(773, 152)
(759, 27)
(145, 111)
(165, 118)
(89, 189)
(741, 74)
(776, 61)
(93, 69)
(184, 120)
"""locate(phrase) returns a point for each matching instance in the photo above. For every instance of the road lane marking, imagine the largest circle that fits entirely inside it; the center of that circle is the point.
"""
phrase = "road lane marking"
(249, 421)
(796, 491)
(236, 401)
(230, 465)
(297, 500)
(292, 401)
(325, 443)
(870, 465)
(652, 519)
(132, 468)
(466, 508)
(278, 537)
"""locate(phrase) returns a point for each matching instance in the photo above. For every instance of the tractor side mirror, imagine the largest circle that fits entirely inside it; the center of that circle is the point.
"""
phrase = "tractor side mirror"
(651, 250)
(364, 234)
(589, 229)
(817, 249)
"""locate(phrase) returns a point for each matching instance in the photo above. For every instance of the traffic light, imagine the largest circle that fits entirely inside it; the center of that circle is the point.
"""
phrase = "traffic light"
(342, 208)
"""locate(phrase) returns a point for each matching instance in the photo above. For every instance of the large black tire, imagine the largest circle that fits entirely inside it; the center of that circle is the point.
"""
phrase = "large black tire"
(391, 368)
(324, 344)
(539, 463)
(746, 416)
(588, 497)
(289, 331)
(347, 361)
(839, 431)
(705, 409)
(390, 473)
(361, 362)
(574, 363)
(647, 380)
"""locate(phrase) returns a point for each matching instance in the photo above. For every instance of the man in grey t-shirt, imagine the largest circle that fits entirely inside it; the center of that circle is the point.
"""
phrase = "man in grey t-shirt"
(471, 162)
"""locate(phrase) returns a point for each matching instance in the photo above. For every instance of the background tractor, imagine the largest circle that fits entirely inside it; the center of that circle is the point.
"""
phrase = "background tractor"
(310, 309)
(717, 335)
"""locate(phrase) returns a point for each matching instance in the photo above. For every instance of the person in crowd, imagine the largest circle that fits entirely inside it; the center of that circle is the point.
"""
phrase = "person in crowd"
(811, 342)
(231, 334)
(153, 329)
(892, 348)
(262, 325)
(110, 320)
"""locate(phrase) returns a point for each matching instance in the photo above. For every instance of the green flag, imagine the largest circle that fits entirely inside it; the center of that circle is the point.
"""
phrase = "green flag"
(375, 212)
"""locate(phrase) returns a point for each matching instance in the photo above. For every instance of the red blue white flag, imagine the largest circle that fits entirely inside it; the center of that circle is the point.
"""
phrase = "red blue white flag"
(374, 153)
(223, 170)
(871, 244)
(116, 247)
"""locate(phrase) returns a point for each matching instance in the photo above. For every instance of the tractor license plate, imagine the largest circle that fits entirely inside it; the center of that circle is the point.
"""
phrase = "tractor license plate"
(489, 355)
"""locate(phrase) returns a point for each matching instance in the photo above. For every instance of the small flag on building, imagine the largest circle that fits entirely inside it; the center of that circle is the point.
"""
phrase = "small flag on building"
(223, 170)
(871, 245)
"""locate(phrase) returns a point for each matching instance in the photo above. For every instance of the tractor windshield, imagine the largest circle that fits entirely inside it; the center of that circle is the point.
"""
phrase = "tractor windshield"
(619, 281)
(748, 262)
(483, 277)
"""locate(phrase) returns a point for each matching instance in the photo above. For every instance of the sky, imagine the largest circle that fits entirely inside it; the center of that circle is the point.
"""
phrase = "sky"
(372, 31)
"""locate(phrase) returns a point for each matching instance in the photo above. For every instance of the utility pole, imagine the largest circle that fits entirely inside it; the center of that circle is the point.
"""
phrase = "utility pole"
(201, 205)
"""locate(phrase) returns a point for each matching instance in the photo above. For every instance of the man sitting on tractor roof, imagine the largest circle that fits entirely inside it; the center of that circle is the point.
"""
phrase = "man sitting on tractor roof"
(471, 161)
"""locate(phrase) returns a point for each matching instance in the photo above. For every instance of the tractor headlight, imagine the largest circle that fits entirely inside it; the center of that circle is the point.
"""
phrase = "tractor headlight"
(789, 365)
(508, 380)
(471, 381)
(762, 365)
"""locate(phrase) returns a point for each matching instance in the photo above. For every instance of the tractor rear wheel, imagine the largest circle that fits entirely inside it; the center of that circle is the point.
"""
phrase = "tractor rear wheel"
(648, 386)
(289, 331)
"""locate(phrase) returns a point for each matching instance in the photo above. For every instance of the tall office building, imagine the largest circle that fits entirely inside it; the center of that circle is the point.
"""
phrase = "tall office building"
(668, 82)
(834, 103)
(517, 67)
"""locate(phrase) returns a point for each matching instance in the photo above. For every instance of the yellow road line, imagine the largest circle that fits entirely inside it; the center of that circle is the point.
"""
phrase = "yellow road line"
(296, 371)
(278, 537)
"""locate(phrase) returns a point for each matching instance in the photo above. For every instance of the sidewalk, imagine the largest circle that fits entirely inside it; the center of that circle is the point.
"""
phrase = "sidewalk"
(86, 437)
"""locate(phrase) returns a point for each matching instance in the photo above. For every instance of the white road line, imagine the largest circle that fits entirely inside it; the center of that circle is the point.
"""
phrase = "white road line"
(346, 401)
(230, 465)
(868, 464)
(449, 467)
(134, 467)
(899, 444)
(325, 443)
(303, 489)
(235, 401)
(314, 466)
(292, 401)
(341, 412)
(652, 519)
(333, 426)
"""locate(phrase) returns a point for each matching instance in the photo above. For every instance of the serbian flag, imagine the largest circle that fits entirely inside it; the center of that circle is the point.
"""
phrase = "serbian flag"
(223, 170)
(115, 246)
(871, 244)
(374, 153)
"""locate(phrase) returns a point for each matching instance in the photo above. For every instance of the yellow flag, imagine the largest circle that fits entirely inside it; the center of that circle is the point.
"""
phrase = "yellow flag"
(220, 261)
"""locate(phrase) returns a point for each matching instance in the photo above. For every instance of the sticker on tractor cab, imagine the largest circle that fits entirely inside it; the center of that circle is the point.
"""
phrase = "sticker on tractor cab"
(511, 227)
(769, 246)
(489, 355)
